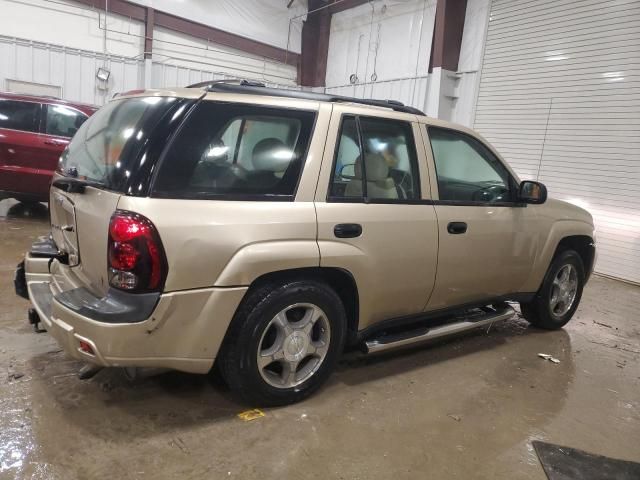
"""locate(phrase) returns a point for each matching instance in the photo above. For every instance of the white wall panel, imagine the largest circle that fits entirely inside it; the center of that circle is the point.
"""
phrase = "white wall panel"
(70, 24)
(176, 49)
(560, 99)
(469, 64)
(73, 70)
(266, 21)
(387, 45)
(65, 24)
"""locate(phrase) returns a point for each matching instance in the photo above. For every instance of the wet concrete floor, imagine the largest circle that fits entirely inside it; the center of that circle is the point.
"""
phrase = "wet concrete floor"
(464, 408)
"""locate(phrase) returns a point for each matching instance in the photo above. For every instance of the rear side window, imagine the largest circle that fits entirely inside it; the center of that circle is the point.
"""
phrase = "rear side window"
(63, 121)
(236, 151)
(17, 115)
(106, 147)
(390, 170)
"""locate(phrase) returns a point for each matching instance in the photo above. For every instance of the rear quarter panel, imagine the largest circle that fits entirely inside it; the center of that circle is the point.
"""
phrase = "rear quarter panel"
(229, 243)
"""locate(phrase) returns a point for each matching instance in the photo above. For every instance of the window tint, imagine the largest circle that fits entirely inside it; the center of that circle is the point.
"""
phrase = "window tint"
(236, 150)
(19, 115)
(107, 145)
(63, 121)
(467, 171)
(390, 169)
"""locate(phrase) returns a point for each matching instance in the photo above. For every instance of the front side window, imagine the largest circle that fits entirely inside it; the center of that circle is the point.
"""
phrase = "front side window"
(17, 115)
(389, 170)
(235, 150)
(63, 121)
(466, 170)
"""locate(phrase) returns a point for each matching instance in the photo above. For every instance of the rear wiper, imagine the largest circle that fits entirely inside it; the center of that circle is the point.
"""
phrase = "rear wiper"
(75, 185)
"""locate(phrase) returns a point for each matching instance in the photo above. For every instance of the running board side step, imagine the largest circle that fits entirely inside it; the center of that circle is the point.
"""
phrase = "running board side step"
(486, 316)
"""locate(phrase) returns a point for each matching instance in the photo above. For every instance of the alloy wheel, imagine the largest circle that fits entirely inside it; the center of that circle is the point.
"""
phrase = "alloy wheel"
(293, 345)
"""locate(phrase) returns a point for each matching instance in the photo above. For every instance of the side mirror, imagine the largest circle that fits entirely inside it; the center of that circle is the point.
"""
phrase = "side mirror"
(532, 192)
(348, 171)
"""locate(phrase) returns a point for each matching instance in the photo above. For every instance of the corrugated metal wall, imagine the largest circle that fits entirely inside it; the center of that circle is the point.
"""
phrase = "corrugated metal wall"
(72, 69)
(386, 45)
(560, 99)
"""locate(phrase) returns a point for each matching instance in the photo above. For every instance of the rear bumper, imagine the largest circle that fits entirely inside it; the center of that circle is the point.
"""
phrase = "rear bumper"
(182, 330)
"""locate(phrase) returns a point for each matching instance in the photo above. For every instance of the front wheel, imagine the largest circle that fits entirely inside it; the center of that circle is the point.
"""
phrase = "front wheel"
(284, 342)
(560, 293)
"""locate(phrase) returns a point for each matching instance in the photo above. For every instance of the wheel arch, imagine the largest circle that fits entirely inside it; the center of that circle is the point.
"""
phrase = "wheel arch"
(562, 235)
(585, 247)
(340, 280)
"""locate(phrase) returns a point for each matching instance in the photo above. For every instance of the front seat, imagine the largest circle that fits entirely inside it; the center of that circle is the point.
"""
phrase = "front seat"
(379, 184)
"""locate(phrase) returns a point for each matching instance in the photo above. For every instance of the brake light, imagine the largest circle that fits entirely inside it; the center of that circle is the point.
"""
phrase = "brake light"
(135, 254)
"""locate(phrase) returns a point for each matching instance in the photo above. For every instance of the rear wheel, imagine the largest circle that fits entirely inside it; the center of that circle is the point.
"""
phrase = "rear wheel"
(560, 293)
(284, 342)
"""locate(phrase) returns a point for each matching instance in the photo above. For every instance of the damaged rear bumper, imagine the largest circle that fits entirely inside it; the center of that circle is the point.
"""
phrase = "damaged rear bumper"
(127, 330)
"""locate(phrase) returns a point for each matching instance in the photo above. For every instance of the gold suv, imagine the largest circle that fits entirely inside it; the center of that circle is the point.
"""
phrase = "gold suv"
(265, 230)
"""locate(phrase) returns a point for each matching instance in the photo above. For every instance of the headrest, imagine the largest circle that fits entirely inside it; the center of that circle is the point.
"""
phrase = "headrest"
(377, 168)
(272, 155)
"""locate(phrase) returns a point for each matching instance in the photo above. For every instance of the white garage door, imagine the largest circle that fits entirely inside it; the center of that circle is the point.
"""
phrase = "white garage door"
(560, 99)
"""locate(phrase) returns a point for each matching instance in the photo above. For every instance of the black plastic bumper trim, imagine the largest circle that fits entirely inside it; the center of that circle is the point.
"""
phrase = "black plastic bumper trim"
(20, 281)
(42, 297)
(44, 247)
(115, 307)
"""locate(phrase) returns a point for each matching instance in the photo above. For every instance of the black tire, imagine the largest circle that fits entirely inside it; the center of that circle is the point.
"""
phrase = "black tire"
(539, 312)
(238, 356)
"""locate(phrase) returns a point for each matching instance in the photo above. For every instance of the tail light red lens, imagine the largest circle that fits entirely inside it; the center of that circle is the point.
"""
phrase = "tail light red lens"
(136, 257)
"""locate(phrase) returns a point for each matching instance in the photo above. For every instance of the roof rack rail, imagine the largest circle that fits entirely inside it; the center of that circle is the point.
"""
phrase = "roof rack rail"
(227, 81)
(257, 88)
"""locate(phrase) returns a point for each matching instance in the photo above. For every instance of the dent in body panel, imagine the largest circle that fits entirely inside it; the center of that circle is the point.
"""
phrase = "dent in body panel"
(184, 332)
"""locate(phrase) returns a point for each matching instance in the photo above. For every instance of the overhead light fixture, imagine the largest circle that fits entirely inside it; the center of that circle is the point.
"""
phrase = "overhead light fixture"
(103, 74)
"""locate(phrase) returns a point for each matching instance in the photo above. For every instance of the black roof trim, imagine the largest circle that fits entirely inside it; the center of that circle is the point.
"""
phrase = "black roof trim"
(256, 88)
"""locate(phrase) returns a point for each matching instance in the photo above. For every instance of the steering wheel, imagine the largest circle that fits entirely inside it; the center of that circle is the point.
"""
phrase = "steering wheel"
(492, 193)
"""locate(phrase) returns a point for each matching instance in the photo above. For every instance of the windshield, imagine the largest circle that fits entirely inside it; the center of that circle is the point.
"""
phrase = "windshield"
(105, 148)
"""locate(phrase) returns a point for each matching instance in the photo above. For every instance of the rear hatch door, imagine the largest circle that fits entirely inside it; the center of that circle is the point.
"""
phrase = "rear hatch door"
(101, 163)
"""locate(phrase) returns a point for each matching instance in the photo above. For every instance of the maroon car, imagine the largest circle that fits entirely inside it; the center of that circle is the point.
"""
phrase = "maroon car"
(33, 133)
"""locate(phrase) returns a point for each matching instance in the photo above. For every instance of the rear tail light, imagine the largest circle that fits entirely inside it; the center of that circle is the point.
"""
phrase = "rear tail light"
(136, 258)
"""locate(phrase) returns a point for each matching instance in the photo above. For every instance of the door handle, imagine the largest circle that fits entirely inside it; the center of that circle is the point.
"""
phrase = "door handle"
(456, 228)
(53, 142)
(347, 230)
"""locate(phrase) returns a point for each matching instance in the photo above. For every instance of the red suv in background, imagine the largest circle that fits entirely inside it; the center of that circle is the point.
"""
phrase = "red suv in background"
(33, 133)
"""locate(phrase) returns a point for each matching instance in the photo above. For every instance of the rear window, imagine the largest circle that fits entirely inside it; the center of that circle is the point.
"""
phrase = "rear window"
(106, 146)
(236, 151)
